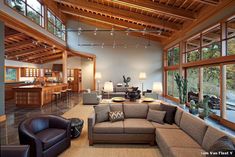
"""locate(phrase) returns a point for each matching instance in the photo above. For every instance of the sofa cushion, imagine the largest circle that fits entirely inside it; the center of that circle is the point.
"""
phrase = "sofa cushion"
(165, 126)
(116, 116)
(186, 152)
(175, 138)
(193, 126)
(222, 144)
(170, 113)
(156, 116)
(178, 116)
(135, 110)
(141, 126)
(212, 134)
(102, 113)
(109, 127)
(51, 136)
(155, 106)
(116, 107)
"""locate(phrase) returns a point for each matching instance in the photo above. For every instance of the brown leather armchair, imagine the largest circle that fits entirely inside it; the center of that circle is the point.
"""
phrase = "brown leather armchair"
(47, 135)
(14, 150)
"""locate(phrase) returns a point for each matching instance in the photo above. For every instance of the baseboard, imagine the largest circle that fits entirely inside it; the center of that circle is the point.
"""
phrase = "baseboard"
(2, 118)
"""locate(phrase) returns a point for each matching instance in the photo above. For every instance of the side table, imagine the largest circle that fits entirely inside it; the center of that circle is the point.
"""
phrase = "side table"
(76, 127)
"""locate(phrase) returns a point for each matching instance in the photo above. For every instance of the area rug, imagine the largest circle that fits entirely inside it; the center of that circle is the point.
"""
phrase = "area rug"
(80, 146)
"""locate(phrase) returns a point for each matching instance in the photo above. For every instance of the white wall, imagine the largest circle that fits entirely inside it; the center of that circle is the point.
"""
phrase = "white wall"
(87, 74)
(113, 63)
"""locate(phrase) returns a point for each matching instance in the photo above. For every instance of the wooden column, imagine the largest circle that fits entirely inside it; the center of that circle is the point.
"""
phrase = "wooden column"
(200, 83)
(223, 73)
(64, 60)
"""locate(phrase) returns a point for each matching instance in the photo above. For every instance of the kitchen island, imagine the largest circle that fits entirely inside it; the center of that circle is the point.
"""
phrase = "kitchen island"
(36, 95)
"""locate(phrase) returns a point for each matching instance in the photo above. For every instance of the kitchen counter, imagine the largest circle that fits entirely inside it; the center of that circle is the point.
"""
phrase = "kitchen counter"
(36, 95)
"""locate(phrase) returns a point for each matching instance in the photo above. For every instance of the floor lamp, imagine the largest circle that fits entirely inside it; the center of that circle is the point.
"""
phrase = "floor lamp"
(142, 76)
(98, 76)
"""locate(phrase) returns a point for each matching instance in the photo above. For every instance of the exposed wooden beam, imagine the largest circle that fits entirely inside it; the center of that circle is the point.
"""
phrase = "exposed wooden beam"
(209, 2)
(107, 20)
(50, 57)
(42, 55)
(122, 14)
(25, 52)
(159, 8)
(18, 45)
(8, 36)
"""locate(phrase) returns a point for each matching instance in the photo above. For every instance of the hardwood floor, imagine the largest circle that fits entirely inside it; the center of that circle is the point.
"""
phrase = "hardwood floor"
(9, 128)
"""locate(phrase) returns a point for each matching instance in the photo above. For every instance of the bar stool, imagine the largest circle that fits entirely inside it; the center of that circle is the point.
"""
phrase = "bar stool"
(56, 96)
(69, 92)
(64, 95)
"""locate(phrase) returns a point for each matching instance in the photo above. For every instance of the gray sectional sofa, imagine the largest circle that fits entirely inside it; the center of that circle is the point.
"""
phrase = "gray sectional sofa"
(188, 136)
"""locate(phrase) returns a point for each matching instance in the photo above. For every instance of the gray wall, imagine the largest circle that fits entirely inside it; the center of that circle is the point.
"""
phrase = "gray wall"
(113, 63)
(2, 92)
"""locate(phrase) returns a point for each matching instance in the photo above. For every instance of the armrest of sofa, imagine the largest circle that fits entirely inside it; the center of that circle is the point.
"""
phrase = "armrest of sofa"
(14, 150)
(91, 123)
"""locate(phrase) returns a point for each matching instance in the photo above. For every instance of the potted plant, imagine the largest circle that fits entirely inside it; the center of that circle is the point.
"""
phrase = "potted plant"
(126, 80)
(193, 108)
(182, 88)
(205, 111)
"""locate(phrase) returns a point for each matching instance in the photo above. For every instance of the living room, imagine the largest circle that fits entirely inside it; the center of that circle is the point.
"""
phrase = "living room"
(117, 78)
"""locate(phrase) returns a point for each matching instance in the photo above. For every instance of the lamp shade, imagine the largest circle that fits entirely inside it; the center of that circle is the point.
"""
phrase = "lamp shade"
(98, 75)
(142, 76)
(157, 87)
(108, 87)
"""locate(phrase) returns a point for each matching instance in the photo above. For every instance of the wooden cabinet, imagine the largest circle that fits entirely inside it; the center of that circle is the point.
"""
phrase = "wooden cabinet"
(75, 79)
(30, 72)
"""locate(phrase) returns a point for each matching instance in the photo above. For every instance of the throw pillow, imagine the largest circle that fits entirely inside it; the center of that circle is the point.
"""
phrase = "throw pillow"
(102, 113)
(170, 113)
(156, 116)
(223, 144)
(116, 116)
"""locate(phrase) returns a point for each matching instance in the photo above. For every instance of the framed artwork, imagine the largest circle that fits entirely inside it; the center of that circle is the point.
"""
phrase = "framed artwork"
(11, 74)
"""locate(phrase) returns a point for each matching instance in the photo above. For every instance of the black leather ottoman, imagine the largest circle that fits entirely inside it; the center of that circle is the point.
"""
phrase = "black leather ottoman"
(76, 127)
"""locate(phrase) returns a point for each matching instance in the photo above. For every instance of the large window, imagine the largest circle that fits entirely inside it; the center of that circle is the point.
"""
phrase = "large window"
(55, 26)
(231, 37)
(193, 80)
(173, 56)
(33, 9)
(230, 92)
(211, 44)
(172, 89)
(193, 49)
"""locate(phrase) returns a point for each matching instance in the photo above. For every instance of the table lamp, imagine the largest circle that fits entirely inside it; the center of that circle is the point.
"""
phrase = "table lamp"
(142, 76)
(108, 87)
(157, 88)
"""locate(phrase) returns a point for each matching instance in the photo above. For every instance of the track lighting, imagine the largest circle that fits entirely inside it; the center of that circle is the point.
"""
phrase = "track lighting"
(95, 32)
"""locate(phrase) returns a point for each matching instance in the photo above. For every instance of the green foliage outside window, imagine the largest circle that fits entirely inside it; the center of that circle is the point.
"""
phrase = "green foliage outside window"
(173, 56)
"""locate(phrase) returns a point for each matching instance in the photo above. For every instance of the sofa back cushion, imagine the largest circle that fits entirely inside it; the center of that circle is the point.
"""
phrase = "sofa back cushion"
(135, 110)
(155, 107)
(193, 126)
(178, 116)
(102, 113)
(211, 136)
(116, 107)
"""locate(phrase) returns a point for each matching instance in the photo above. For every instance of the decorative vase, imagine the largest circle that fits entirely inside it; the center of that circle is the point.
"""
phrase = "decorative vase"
(193, 111)
(132, 95)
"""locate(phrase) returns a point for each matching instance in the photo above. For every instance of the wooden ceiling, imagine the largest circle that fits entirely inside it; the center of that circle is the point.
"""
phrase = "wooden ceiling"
(21, 47)
(165, 16)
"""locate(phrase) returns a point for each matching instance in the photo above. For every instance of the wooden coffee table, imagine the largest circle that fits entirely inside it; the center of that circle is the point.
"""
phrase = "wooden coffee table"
(140, 101)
